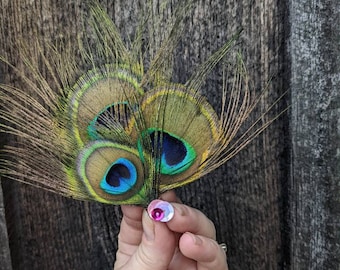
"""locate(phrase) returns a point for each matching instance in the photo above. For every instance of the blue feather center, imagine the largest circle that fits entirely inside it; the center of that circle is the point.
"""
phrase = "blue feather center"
(176, 155)
(120, 177)
(108, 118)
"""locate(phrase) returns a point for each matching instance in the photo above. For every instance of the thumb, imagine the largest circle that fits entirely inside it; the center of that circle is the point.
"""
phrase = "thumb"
(157, 246)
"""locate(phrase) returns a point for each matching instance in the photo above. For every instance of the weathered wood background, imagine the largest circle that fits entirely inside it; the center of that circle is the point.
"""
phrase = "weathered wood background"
(276, 204)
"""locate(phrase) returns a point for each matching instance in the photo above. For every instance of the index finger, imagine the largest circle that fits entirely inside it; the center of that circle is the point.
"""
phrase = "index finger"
(188, 219)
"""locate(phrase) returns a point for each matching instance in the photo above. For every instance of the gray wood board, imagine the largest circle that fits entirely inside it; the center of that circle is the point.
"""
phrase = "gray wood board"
(315, 93)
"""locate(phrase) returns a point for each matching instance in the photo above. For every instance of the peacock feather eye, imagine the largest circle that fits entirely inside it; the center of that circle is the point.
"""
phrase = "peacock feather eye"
(173, 118)
(100, 103)
(118, 111)
(112, 172)
(176, 155)
(120, 177)
(112, 118)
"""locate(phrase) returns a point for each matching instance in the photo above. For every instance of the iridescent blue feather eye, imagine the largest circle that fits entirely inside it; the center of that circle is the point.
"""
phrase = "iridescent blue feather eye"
(113, 172)
(177, 155)
(120, 177)
(109, 118)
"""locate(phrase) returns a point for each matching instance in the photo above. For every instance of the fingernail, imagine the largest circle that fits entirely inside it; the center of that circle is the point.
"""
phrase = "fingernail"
(159, 210)
(148, 227)
(195, 239)
(180, 209)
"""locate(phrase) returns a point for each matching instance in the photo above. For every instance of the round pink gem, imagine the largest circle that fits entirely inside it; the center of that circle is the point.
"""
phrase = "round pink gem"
(157, 214)
(160, 211)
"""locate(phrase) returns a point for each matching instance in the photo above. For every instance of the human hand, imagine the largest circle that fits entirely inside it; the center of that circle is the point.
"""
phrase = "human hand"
(186, 242)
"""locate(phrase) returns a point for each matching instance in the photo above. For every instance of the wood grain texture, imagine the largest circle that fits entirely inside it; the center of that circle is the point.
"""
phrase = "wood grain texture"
(5, 257)
(247, 198)
(315, 181)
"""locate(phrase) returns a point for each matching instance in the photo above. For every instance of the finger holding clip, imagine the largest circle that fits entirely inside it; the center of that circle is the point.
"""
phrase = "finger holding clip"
(181, 218)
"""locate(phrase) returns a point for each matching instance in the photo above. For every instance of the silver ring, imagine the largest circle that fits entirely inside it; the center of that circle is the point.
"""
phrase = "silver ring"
(224, 247)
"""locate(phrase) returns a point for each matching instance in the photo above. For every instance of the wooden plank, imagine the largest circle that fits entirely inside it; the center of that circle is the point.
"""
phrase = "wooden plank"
(315, 84)
(5, 256)
(244, 198)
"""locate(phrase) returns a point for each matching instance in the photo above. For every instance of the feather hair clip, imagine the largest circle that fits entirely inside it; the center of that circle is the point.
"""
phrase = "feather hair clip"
(118, 133)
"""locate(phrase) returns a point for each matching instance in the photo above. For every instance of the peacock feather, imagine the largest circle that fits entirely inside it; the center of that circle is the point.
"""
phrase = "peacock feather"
(120, 132)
